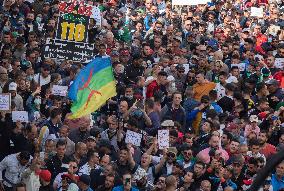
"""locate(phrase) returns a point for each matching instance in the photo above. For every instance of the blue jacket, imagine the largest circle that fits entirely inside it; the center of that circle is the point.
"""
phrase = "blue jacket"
(276, 183)
(120, 188)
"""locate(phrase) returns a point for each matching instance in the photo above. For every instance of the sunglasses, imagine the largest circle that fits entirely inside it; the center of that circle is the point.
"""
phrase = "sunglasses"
(172, 155)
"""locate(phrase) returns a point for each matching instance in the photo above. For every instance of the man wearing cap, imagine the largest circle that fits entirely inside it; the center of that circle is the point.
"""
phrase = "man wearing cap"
(180, 77)
(252, 127)
(84, 183)
(45, 178)
(16, 98)
(43, 77)
(239, 170)
(276, 94)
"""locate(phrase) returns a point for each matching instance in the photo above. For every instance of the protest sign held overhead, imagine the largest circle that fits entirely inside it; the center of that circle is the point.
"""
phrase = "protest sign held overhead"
(71, 41)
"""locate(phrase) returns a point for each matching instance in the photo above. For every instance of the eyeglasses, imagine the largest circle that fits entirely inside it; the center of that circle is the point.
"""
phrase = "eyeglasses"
(114, 20)
(187, 153)
(172, 155)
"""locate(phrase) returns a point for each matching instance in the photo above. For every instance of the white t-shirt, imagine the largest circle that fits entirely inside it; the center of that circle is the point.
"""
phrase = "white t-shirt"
(41, 80)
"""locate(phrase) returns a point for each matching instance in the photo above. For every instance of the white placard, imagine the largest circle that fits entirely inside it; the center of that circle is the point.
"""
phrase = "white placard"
(163, 139)
(256, 12)
(21, 116)
(241, 66)
(189, 2)
(133, 138)
(59, 90)
(5, 102)
(279, 62)
(273, 30)
(96, 14)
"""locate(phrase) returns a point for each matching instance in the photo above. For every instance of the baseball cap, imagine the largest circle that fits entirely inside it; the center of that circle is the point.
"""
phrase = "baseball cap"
(91, 138)
(178, 38)
(253, 118)
(167, 123)
(85, 179)
(45, 175)
(12, 86)
(272, 82)
(246, 30)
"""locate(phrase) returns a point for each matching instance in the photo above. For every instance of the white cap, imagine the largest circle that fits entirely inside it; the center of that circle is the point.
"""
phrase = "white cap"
(12, 86)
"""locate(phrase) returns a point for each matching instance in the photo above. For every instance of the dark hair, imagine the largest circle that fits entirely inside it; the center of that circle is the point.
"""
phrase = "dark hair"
(60, 143)
(200, 163)
(55, 112)
(253, 142)
(213, 95)
(150, 103)
(24, 155)
(163, 73)
(19, 185)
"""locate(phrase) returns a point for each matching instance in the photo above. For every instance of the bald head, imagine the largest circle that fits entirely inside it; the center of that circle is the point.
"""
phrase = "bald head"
(3, 74)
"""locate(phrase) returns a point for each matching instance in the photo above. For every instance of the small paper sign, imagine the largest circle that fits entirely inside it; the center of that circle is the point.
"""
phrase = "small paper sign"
(5, 102)
(133, 138)
(59, 90)
(21, 116)
(163, 139)
(256, 12)
(279, 62)
(241, 66)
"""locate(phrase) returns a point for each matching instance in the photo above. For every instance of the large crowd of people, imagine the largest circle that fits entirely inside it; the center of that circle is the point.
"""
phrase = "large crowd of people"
(210, 74)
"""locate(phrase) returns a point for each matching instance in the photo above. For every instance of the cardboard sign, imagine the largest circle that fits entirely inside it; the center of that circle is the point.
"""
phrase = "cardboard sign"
(188, 2)
(133, 138)
(241, 66)
(256, 12)
(21, 116)
(71, 41)
(72, 27)
(59, 90)
(279, 63)
(163, 139)
(5, 102)
(67, 50)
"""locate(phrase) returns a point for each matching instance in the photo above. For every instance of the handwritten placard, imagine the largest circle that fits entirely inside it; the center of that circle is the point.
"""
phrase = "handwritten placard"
(133, 138)
(241, 66)
(279, 62)
(59, 90)
(273, 30)
(5, 102)
(163, 139)
(21, 116)
(256, 12)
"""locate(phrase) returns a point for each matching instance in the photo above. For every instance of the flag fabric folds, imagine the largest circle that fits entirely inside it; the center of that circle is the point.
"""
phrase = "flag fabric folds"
(93, 86)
